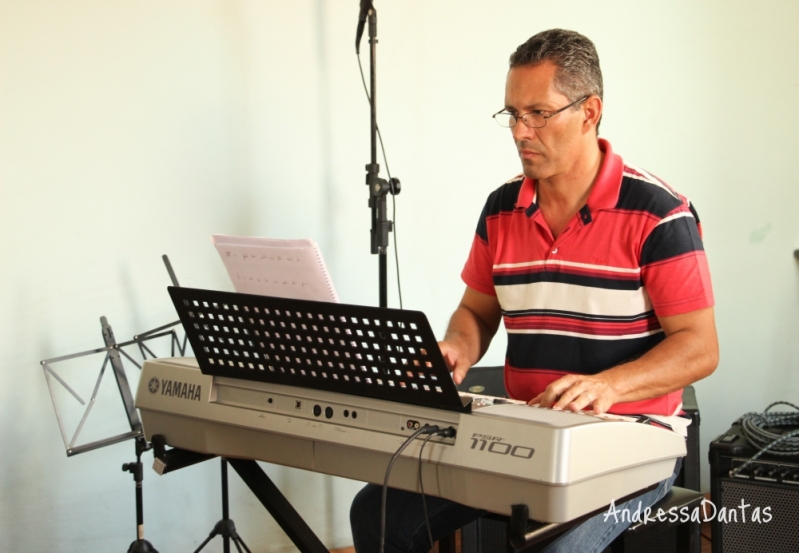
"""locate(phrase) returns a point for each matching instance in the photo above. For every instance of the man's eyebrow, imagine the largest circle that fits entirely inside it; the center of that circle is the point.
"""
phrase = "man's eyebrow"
(526, 109)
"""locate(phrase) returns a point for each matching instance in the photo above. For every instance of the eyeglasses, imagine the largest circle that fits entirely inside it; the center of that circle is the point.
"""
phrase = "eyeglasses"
(534, 119)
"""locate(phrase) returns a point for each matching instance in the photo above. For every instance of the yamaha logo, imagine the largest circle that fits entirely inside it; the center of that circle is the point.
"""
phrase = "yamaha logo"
(173, 388)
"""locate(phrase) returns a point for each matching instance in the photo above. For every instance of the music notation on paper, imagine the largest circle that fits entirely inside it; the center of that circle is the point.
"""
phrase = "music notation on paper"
(274, 267)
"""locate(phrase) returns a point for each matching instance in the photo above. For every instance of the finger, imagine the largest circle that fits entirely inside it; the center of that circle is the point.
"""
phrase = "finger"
(449, 355)
(551, 393)
(582, 401)
(569, 395)
(536, 400)
(554, 392)
(602, 405)
(460, 370)
(445, 352)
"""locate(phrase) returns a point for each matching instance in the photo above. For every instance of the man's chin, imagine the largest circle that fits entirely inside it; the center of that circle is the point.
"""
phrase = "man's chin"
(533, 172)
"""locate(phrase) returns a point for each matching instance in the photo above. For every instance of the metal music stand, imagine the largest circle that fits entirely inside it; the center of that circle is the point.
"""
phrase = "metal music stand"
(113, 356)
(113, 353)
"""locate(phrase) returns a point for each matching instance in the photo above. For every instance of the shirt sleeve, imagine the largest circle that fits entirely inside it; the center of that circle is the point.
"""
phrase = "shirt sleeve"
(478, 273)
(674, 267)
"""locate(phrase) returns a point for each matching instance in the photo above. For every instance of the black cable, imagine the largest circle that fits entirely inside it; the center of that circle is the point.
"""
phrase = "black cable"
(754, 427)
(421, 488)
(426, 429)
(390, 183)
(448, 432)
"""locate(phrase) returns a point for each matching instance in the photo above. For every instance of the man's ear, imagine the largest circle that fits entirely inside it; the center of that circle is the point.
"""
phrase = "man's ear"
(592, 110)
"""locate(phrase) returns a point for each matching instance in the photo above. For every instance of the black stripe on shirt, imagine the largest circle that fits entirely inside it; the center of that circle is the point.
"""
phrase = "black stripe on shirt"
(568, 278)
(572, 354)
(503, 199)
(671, 239)
(639, 195)
(694, 213)
(572, 315)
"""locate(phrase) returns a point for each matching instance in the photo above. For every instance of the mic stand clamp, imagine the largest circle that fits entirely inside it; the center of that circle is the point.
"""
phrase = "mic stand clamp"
(378, 190)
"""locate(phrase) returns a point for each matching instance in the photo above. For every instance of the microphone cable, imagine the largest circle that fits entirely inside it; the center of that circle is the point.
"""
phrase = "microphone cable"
(390, 183)
(426, 429)
(754, 427)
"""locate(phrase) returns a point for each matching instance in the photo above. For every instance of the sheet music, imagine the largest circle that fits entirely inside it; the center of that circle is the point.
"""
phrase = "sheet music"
(273, 267)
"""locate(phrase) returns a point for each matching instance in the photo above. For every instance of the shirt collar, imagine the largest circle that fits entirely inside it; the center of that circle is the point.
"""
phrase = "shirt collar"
(604, 194)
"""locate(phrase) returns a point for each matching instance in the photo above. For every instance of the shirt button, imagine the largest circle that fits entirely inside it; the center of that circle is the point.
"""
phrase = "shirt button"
(555, 251)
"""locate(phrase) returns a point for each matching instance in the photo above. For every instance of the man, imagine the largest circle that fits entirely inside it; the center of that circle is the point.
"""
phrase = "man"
(597, 268)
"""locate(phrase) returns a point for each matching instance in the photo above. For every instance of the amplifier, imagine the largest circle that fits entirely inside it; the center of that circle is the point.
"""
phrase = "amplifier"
(757, 510)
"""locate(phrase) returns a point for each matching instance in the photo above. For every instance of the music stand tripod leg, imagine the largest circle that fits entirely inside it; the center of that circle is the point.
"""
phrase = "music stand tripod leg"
(225, 527)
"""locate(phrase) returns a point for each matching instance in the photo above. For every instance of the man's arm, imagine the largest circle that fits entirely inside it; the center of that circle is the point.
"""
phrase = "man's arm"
(470, 331)
(689, 353)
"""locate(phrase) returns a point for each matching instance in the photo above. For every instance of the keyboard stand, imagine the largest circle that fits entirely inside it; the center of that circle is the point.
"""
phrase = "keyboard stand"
(278, 506)
(260, 485)
(225, 528)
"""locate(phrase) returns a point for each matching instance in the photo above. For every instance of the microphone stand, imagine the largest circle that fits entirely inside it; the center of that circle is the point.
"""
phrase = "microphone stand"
(378, 188)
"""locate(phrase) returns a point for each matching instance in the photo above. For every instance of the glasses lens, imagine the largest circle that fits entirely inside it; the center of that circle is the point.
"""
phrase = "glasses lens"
(505, 119)
(535, 120)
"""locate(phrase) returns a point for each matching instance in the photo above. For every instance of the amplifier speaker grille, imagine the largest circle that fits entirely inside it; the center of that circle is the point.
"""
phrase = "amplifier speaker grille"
(657, 540)
(780, 535)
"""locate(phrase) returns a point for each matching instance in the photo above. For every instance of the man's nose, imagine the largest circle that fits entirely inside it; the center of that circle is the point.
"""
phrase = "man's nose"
(521, 131)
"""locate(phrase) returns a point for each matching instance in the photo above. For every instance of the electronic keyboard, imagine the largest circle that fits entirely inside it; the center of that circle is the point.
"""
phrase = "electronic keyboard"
(560, 464)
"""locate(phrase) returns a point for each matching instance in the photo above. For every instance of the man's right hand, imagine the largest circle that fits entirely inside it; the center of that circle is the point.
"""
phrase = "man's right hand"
(456, 360)
(470, 330)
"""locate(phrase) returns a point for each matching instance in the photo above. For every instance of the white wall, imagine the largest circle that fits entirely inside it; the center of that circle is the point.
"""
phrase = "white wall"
(133, 129)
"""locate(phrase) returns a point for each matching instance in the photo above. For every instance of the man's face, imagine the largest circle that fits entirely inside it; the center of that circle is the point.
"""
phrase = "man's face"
(556, 148)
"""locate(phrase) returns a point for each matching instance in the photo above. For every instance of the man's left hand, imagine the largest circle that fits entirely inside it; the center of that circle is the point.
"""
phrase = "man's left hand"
(576, 392)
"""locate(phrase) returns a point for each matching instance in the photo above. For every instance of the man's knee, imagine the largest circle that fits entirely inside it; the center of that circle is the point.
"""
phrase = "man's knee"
(365, 511)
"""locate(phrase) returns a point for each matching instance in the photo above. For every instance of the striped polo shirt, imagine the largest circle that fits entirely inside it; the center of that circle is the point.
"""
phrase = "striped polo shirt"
(590, 299)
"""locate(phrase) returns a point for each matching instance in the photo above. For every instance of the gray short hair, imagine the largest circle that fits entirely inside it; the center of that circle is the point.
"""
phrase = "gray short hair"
(575, 56)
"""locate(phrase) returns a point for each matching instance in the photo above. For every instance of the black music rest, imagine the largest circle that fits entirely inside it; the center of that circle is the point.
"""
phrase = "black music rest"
(379, 353)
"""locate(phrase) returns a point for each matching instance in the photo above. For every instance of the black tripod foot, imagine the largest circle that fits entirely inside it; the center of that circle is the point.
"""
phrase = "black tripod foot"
(142, 546)
(226, 529)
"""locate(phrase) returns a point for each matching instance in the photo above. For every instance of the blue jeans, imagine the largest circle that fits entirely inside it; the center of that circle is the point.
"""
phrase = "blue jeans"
(406, 531)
